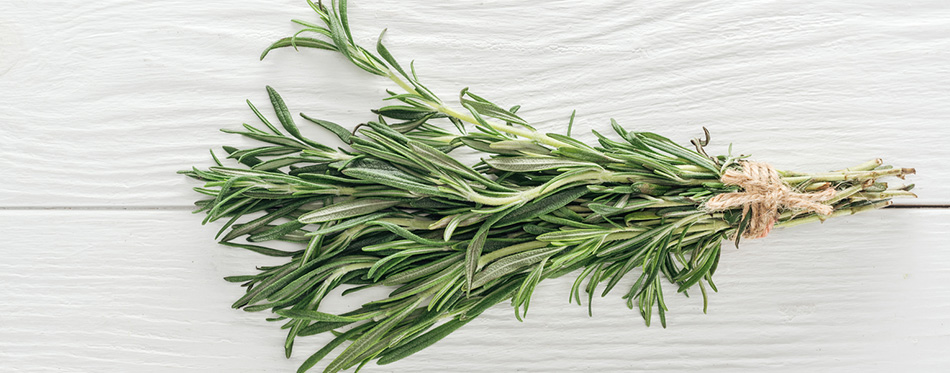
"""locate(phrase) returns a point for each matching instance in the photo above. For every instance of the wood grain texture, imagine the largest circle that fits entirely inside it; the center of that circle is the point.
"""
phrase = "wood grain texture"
(117, 291)
(104, 101)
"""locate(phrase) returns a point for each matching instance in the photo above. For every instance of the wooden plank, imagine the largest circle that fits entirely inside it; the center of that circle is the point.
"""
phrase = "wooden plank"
(104, 101)
(141, 291)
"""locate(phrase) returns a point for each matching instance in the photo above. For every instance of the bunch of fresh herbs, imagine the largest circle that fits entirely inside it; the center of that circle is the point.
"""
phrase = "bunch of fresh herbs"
(395, 209)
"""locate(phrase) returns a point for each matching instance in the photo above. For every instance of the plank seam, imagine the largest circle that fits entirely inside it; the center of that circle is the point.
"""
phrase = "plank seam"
(97, 208)
(189, 208)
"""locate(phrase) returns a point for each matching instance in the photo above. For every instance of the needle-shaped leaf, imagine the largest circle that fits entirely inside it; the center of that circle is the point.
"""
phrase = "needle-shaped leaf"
(337, 33)
(287, 120)
(336, 129)
(344, 20)
(313, 315)
(420, 272)
(653, 234)
(421, 342)
(262, 152)
(278, 232)
(332, 345)
(542, 206)
(585, 154)
(402, 254)
(570, 140)
(475, 246)
(344, 210)
(388, 175)
(266, 219)
(349, 223)
(384, 53)
(451, 164)
(511, 264)
(532, 164)
(403, 112)
(486, 108)
(299, 42)
(572, 235)
(369, 338)
(273, 139)
(261, 249)
(405, 233)
(664, 144)
(523, 297)
(496, 295)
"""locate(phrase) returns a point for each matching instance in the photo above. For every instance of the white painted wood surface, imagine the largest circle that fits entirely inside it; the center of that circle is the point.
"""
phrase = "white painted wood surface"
(105, 100)
(124, 291)
(103, 269)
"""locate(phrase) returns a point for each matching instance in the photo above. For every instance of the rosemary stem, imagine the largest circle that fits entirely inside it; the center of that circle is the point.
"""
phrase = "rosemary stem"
(842, 194)
(402, 83)
(691, 168)
(512, 130)
(845, 211)
(866, 166)
(593, 177)
(849, 175)
(817, 186)
(886, 194)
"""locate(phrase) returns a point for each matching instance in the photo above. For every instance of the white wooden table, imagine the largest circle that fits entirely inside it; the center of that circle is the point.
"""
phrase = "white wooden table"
(102, 268)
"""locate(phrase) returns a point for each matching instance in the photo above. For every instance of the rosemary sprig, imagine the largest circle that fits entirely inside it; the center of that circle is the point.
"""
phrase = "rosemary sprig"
(396, 209)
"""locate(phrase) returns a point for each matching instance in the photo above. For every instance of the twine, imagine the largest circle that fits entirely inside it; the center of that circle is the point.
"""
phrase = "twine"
(764, 193)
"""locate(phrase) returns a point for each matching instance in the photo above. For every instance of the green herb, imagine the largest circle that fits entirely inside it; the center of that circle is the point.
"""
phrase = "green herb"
(395, 209)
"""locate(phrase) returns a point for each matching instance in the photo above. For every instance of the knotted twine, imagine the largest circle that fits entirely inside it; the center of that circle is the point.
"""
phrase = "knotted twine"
(763, 194)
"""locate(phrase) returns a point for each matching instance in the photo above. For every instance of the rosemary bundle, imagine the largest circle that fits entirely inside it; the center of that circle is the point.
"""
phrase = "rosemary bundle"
(395, 209)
